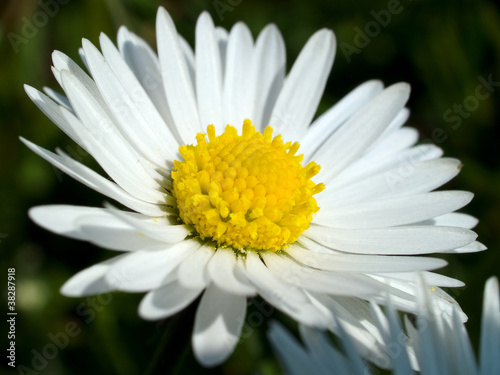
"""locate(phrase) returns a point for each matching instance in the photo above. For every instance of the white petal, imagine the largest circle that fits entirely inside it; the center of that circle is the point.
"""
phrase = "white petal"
(144, 63)
(208, 72)
(430, 278)
(421, 178)
(131, 118)
(222, 36)
(218, 322)
(399, 240)
(284, 296)
(463, 354)
(91, 280)
(157, 228)
(189, 57)
(111, 233)
(394, 137)
(295, 359)
(395, 125)
(96, 225)
(321, 350)
(395, 141)
(403, 295)
(393, 211)
(355, 316)
(88, 177)
(490, 329)
(62, 62)
(81, 53)
(395, 150)
(473, 247)
(330, 120)
(192, 272)
(394, 339)
(365, 126)
(141, 271)
(260, 275)
(267, 74)
(91, 139)
(337, 283)
(352, 353)
(412, 334)
(63, 219)
(431, 348)
(54, 113)
(166, 301)
(236, 80)
(133, 105)
(221, 269)
(304, 85)
(110, 149)
(55, 96)
(394, 167)
(176, 79)
(363, 263)
(454, 219)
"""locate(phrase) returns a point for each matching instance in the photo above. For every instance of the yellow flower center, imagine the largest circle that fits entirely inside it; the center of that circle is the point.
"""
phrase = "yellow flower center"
(248, 191)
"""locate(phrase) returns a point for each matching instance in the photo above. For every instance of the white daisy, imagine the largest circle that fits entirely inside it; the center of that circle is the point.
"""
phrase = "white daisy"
(438, 344)
(231, 211)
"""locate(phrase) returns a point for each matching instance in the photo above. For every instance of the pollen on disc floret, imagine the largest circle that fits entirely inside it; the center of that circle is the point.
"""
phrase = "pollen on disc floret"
(248, 191)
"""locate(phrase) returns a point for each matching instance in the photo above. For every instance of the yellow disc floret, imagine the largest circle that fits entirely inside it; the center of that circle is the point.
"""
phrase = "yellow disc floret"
(247, 191)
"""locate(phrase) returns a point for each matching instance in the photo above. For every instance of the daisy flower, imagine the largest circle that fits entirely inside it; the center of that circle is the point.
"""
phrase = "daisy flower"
(438, 343)
(201, 149)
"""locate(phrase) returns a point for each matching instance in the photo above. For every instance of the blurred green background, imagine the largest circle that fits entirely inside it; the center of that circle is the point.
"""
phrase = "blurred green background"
(443, 49)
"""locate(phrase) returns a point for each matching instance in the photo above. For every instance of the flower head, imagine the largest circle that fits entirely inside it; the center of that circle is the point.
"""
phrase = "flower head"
(247, 192)
(202, 148)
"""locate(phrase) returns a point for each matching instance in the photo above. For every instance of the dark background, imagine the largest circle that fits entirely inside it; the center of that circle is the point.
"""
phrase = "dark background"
(443, 49)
